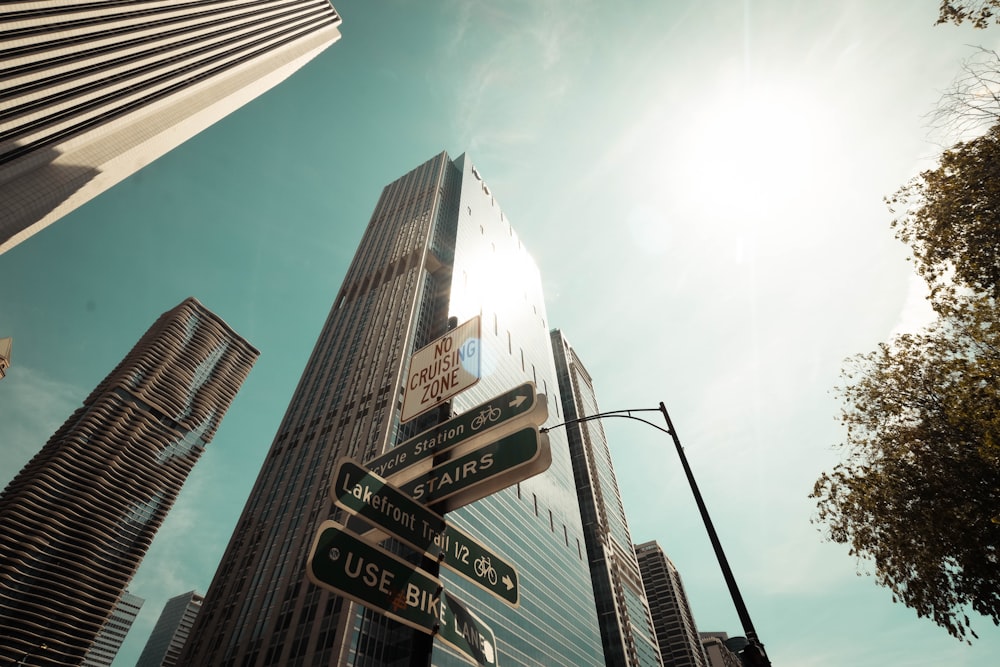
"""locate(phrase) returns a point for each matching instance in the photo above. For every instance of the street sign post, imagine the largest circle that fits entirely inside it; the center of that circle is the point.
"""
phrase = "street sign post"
(343, 564)
(482, 472)
(448, 366)
(466, 633)
(497, 417)
(365, 494)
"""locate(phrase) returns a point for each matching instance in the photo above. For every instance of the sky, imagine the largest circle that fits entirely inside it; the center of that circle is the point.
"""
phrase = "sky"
(701, 183)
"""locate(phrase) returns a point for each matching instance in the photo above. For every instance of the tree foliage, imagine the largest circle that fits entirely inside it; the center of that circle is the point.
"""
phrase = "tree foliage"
(979, 13)
(950, 217)
(918, 492)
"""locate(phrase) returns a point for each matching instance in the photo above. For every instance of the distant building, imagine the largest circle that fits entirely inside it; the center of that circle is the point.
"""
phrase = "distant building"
(676, 631)
(94, 91)
(717, 649)
(77, 520)
(626, 624)
(112, 635)
(5, 350)
(164, 645)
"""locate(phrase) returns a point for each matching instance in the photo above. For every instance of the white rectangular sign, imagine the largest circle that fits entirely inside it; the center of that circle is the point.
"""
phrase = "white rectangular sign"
(446, 367)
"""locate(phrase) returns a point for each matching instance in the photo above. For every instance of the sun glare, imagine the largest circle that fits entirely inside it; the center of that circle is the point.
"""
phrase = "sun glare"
(754, 151)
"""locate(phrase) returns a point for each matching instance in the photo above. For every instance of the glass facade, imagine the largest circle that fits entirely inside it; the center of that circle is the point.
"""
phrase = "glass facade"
(437, 249)
(626, 624)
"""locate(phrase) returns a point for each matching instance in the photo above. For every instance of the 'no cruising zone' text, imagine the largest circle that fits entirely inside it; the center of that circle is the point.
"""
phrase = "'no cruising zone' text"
(438, 371)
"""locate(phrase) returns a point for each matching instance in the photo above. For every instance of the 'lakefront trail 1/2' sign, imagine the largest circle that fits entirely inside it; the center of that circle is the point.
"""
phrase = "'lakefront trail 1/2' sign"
(365, 494)
(446, 367)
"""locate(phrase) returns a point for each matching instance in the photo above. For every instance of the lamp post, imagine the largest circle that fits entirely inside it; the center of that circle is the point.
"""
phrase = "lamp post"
(753, 654)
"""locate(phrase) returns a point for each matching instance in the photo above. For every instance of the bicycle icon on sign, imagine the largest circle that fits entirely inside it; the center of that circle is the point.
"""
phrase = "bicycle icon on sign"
(488, 415)
(485, 569)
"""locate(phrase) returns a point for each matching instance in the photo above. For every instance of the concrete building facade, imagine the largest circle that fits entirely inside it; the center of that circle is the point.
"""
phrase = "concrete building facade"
(171, 632)
(676, 630)
(91, 92)
(112, 635)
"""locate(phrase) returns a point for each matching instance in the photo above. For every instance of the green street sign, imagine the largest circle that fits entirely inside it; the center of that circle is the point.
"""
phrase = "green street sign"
(343, 564)
(466, 633)
(365, 494)
(498, 417)
(482, 472)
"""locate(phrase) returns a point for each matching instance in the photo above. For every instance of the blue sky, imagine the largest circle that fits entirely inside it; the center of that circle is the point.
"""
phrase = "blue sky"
(701, 185)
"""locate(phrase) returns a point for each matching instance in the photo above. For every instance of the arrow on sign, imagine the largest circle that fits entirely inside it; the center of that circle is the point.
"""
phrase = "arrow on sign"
(497, 417)
(365, 494)
(466, 633)
(482, 472)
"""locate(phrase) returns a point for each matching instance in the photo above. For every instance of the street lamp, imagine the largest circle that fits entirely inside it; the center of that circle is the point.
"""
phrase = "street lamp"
(753, 654)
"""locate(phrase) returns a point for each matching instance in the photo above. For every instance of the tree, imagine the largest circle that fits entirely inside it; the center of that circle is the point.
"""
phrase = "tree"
(918, 492)
(972, 103)
(950, 217)
(976, 12)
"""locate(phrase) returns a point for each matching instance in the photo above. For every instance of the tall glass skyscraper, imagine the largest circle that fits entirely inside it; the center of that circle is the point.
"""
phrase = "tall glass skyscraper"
(626, 624)
(76, 522)
(437, 247)
(91, 92)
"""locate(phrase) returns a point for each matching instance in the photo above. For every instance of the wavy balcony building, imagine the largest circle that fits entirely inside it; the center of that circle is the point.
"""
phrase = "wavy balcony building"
(91, 92)
(77, 520)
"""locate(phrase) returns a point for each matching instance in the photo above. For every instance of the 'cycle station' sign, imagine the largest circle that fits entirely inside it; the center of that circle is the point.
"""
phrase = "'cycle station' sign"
(403, 494)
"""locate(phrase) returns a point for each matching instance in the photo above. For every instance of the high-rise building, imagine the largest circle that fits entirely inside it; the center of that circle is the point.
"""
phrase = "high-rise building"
(719, 649)
(437, 248)
(171, 631)
(77, 520)
(112, 635)
(673, 621)
(91, 92)
(5, 350)
(626, 624)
